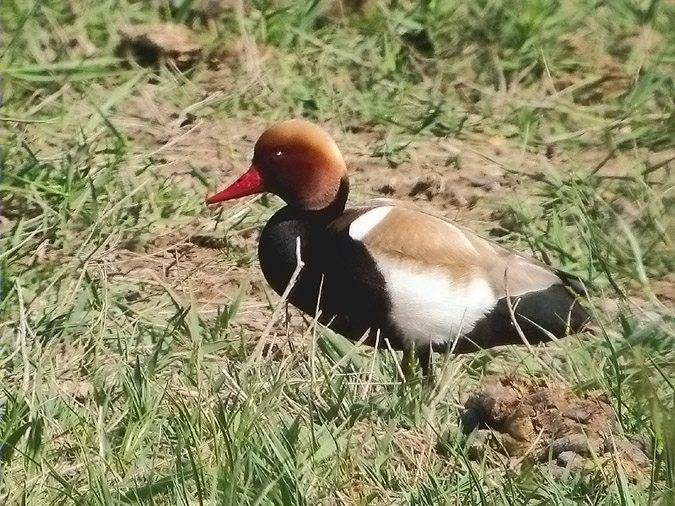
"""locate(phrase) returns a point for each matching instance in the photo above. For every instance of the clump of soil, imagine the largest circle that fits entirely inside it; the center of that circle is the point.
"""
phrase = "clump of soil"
(528, 419)
(154, 43)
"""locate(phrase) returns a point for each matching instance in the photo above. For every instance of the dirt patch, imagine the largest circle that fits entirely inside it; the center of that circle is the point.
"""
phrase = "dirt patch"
(154, 43)
(530, 420)
(465, 179)
(193, 263)
(187, 260)
(190, 150)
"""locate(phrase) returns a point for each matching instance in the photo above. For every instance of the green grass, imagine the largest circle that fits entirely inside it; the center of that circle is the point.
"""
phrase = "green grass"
(121, 388)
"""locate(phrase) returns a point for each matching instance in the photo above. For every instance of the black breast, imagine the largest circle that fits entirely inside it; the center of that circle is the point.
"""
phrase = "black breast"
(352, 297)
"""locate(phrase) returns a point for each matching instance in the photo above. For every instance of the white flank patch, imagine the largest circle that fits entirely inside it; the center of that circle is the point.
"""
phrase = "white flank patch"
(362, 225)
(427, 306)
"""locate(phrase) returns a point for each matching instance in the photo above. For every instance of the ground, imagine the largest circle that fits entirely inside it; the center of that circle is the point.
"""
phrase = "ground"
(131, 312)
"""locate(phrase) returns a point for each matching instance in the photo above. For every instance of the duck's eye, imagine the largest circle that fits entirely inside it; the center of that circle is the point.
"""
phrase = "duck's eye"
(278, 154)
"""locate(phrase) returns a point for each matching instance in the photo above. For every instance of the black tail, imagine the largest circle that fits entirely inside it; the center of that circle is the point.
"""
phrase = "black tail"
(575, 283)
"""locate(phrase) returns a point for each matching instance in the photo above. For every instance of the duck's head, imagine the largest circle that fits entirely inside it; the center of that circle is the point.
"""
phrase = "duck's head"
(296, 160)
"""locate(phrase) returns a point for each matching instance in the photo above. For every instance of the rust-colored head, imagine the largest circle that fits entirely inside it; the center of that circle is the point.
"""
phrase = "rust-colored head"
(296, 160)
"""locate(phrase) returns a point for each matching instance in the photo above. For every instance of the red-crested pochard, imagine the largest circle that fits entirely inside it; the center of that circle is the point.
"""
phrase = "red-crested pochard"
(395, 273)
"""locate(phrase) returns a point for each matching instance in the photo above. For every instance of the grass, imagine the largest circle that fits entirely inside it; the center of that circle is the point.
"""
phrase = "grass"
(132, 386)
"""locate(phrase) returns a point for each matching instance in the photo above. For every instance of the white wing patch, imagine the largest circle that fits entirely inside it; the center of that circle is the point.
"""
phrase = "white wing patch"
(428, 306)
(361, 226)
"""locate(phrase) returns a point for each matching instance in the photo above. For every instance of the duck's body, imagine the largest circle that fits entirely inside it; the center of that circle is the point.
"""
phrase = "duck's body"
(415, 294)
(392, 273)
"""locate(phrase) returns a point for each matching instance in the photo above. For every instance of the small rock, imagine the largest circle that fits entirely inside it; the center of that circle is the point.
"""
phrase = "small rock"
(386, 189)
(420, 187)
(558, 472)
(477, 443)
(629, 450)
(642, 443)
(457, 200)
(132, 296)
(571, 461)
(514, 447)
(577, 443)
(79, 390)
(209, 241)
(272, 351)
(454, 158)
(519, 424)
(578, 414)
(153, 43)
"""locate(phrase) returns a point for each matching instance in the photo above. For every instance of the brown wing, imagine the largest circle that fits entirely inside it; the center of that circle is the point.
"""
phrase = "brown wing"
(424, 240)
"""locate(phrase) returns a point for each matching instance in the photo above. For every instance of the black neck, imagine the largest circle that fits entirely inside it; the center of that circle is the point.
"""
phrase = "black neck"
(335, 209)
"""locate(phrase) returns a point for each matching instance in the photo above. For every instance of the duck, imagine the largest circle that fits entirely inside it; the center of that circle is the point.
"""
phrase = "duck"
(387, 274)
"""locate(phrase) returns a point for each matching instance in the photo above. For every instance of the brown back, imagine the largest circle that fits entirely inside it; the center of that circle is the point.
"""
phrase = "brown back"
(421, 241)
